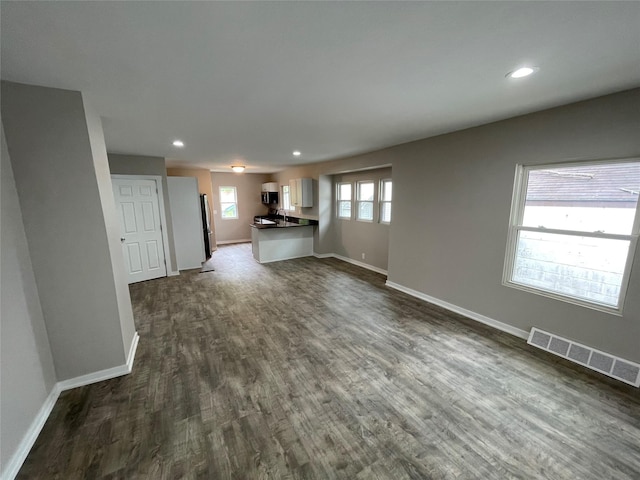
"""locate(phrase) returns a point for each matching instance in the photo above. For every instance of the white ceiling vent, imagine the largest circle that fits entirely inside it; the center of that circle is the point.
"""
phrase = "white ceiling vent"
(615, 367)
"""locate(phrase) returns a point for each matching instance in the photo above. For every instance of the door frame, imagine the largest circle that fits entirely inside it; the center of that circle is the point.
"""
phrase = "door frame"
(163, 217)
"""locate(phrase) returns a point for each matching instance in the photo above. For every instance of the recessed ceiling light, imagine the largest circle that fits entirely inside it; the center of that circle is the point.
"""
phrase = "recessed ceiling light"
(522, 72)
(178, 143)
(297, 153)
(238, 168)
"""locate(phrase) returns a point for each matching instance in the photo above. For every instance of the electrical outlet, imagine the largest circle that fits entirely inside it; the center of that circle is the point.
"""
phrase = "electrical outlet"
(363, 255)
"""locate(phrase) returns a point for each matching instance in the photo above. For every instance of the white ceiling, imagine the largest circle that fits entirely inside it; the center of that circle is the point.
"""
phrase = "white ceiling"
(249, 82)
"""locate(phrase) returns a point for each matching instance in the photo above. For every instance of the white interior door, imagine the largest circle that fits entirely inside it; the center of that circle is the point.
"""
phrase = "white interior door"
(140, 228)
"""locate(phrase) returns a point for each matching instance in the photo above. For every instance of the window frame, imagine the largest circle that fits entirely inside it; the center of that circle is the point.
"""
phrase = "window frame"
(339, 200)
(516, 216)
(286, 195)
(358, 201)
(235, 195)
(381, 201)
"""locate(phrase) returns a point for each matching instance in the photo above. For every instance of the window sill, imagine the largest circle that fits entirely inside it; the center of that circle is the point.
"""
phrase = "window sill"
(564, 298)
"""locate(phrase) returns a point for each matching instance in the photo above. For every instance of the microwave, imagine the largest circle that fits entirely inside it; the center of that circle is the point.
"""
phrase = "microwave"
(270, 198)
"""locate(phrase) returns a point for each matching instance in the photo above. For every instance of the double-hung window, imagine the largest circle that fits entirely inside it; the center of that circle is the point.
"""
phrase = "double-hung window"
(574, 230)
(344, 200)
(385, 201)
(229, 203)
(364, 207)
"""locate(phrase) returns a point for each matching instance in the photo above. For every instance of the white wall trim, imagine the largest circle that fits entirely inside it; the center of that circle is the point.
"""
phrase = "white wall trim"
(227, 242)
(132, 351)
(173, 274)
(352, 261)
(462, 311)
(17, 459)
(15, 462)
(106, 374)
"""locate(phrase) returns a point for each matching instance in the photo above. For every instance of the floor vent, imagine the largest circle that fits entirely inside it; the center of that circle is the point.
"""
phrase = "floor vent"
(623, 370)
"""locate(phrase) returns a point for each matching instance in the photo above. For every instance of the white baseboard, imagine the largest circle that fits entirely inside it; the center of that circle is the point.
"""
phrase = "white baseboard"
(227, 242)
(17, 459)
(462, 311)
(106, 374)
(173, 274)
(132, 351)
(352, 261)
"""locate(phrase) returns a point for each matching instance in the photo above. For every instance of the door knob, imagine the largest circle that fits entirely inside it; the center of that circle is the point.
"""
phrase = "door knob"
(122, 239)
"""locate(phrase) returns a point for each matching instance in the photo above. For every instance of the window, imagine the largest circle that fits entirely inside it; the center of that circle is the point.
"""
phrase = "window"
(573, 231)
(286, 198)
(228, 203)
(385, 201)
(365, 201)
(344, 200)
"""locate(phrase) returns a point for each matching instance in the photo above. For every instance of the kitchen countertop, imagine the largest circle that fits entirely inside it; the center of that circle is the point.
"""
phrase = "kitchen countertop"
(279, 222)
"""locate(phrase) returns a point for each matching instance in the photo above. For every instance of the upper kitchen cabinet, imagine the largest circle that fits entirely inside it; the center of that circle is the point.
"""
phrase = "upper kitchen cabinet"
(270, 187)
(301, 192)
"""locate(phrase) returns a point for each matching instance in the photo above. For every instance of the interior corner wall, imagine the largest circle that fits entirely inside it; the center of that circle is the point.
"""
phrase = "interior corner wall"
(205, 187)
(49, 146)
(145, 165)
(112, 224)
(351, 237)
(248, 187)
(322, 175)
(26, 363)
(452, 198)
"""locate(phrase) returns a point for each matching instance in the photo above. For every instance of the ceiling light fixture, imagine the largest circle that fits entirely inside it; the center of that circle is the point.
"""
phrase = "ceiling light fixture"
(297, 153)
(522, 72)
(178, 143)
(238, 168)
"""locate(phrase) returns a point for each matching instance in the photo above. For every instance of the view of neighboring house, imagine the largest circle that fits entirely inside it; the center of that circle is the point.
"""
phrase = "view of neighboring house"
(592, 201)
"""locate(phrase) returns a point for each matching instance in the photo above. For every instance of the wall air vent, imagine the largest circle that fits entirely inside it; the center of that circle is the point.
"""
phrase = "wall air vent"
(610, 365)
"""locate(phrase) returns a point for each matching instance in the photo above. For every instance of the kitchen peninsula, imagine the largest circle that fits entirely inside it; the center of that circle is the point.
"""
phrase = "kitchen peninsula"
(273, 238)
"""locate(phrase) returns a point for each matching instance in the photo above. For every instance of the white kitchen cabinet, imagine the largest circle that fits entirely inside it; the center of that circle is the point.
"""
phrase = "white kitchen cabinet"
(270, 187)
(301, 192)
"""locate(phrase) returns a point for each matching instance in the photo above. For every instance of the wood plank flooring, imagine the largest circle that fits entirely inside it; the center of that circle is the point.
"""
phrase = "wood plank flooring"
(313, 369)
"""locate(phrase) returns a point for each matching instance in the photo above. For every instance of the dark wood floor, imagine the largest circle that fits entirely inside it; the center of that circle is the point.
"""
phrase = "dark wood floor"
(313, 369)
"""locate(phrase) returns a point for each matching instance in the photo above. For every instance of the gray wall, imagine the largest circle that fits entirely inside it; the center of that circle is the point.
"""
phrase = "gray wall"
(67, 227)
(26, 364)
(351, 238)
(248, 187)
(144, 165)
(452, 196)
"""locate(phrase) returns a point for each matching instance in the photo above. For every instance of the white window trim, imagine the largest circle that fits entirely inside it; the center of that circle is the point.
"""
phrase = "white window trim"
(382, 202)
(351, 213)
(291, 207)
(235, 190)
(358, 201)
(515, 220)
